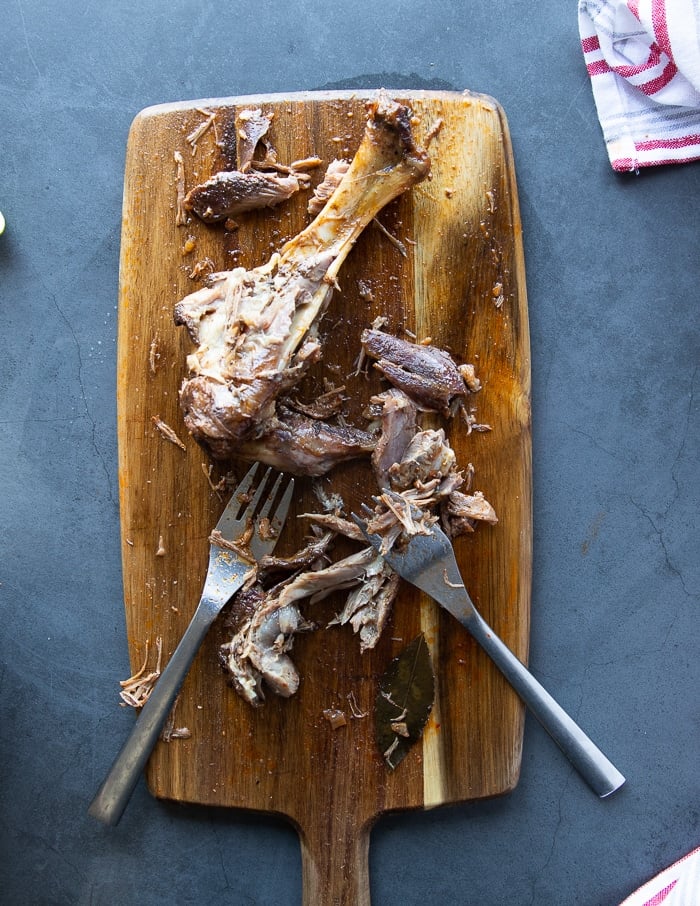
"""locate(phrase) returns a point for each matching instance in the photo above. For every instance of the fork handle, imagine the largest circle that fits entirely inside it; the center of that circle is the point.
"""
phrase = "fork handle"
(112, 797)
(601, 775)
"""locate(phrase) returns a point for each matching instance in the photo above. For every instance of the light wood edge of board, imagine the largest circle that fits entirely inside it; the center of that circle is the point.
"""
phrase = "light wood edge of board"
(295, 97)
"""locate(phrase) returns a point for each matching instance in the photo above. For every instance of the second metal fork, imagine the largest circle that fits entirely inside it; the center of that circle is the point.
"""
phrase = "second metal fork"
(242, 529)
(428, 562)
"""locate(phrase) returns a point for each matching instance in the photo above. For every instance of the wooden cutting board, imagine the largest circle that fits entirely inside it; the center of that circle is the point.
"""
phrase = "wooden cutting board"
(461, 282)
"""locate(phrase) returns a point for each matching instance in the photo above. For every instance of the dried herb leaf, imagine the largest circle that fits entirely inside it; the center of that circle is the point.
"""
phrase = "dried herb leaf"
(403, 703)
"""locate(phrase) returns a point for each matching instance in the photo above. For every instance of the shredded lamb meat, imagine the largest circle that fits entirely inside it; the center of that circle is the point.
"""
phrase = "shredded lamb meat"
(253, 184)
(252, 127)
(420, 486)
(256, 335)
(330, 182)
(255, 329)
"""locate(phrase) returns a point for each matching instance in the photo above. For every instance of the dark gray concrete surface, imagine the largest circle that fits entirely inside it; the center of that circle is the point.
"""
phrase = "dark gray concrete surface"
(613, 274)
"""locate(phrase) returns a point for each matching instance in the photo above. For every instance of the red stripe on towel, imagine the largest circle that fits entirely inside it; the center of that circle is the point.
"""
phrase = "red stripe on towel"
(683, 141)
(652, 60)
(589, 44)
(654, 85)
(598, 68)
(660, 26)
(659, 897)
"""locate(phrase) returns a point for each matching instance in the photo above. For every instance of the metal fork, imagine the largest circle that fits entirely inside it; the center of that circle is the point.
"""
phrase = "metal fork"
(228, 570)
(428, 562)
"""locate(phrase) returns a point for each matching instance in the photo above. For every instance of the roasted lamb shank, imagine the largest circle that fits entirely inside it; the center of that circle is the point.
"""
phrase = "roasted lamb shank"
(255, 330)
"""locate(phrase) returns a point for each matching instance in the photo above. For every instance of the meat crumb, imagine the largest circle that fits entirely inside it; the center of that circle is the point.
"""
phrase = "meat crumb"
(306, 163)
(153, 355)
(180, 215)
(167, 432)
(335, 718)
(218, 486)
(266, 529)
(365, 291)
(239, 547)
(400, 728)
(473, 425)
(392, 239)
(468, 373)
(497, 293)
(176, 733)
(170, 731)
(197, 133)
(161, 552)
(204, 267)
(446, 580)
(390, 751)
(330, 502)
(354, 708)
(434, 131)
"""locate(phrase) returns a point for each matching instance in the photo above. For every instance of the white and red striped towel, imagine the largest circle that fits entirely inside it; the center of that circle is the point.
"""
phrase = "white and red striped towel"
(677, 885)
(643, 57)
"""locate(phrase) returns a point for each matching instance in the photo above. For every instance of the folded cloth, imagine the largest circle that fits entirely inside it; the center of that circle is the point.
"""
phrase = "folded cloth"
(643, 57)
(677, 885)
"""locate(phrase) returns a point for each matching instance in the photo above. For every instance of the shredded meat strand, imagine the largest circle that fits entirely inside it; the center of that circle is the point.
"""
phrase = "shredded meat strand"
(180, 214)
(136, 690)
(167, 432)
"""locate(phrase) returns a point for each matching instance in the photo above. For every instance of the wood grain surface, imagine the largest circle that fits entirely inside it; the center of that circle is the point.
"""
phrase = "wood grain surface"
(461, 283)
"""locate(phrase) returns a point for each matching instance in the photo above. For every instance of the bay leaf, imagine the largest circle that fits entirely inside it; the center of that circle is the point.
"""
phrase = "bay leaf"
(404, 701)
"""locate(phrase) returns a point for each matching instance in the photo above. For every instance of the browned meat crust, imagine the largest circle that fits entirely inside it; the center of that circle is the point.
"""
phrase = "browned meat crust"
(232, 192)
(304, 446)
(426, 374)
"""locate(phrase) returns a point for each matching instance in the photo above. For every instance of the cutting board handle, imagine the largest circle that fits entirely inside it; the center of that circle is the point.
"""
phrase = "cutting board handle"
(335, 865)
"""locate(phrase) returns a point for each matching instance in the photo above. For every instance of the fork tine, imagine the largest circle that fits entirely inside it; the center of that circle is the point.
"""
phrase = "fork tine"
(262, 543)
(372, 537)
(230, 518)
(360, 523)
(267, 506)
(245, 484)
(257, 496)
(281, 511)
